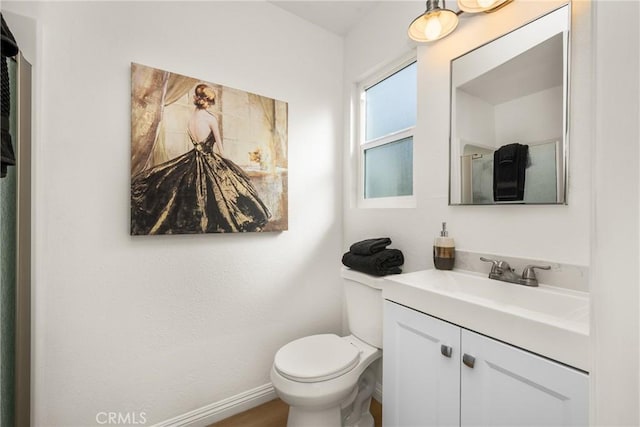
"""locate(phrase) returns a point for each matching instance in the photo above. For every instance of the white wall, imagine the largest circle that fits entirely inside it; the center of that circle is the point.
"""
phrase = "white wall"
(168, 324)
(476, 120)
(615, 277)
(532, 118)
(555, 233)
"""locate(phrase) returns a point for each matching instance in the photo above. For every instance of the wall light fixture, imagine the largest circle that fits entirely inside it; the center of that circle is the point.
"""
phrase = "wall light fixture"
(438, 21)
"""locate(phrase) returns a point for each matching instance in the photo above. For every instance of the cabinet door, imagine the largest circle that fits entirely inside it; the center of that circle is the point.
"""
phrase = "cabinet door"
(512, 387)
(421, 379)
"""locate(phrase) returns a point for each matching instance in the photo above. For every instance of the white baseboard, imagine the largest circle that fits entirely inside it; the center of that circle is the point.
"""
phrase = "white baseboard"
(217, 411)
(233, 405)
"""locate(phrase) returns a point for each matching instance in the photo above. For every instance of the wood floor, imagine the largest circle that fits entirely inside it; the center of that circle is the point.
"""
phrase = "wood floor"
(274, 414)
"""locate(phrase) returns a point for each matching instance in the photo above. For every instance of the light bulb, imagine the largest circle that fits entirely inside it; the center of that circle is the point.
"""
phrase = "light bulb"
(485, 3)
(432, 28)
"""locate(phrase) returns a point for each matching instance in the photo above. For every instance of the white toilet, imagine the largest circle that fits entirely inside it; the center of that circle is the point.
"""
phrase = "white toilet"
(327, 380)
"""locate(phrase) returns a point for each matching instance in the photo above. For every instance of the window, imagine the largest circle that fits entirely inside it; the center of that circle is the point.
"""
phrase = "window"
(387, 122)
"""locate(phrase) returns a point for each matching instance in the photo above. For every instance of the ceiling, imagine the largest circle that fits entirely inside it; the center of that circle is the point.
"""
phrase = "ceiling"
(337, 17)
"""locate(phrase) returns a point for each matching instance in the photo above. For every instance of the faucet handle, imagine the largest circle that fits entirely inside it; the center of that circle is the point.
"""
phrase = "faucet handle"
(529, 275)
(498, 268)
(494, 267)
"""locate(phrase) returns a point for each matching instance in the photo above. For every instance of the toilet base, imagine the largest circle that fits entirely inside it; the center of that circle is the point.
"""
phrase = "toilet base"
(353, 412)
(365, 421)
(301, 417)
(358, 411)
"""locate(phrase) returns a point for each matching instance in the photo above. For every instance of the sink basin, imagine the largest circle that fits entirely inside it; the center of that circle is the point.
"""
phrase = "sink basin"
(550, 321)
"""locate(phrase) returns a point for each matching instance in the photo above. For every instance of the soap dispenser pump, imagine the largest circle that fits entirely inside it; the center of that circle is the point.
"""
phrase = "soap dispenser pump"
(444, 251)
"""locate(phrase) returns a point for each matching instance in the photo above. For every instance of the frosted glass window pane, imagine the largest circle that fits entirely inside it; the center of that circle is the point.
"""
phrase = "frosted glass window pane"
(388, 170)
(391, 104)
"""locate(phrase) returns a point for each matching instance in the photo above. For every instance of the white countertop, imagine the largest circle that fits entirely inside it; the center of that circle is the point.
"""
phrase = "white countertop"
(550, 321)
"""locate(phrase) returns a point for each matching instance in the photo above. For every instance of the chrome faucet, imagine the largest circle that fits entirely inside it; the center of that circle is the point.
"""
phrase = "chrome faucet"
(501, 270)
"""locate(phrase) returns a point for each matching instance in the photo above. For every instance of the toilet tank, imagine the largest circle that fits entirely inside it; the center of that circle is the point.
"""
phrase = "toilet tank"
(363, 296)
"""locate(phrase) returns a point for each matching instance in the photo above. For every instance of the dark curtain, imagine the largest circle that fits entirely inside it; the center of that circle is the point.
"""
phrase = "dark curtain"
(9, 49)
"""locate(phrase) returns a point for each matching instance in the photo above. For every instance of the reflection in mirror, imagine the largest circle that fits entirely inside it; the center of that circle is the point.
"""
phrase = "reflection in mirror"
(509, 117)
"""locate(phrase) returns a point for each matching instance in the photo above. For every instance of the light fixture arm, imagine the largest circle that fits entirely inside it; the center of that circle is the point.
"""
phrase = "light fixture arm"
(433, 5)
(475, 6)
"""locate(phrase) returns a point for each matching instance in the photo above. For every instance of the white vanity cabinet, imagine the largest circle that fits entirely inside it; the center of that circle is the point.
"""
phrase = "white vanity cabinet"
(480, 382)
(421, 369)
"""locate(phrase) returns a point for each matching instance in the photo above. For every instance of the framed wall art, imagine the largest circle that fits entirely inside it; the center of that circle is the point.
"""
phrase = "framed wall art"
(205, 158)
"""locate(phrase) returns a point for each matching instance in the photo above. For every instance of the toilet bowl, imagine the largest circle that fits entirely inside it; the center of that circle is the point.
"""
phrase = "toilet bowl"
(327, 380)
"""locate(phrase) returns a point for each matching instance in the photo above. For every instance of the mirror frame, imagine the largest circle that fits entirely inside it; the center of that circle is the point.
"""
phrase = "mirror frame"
(562, 13)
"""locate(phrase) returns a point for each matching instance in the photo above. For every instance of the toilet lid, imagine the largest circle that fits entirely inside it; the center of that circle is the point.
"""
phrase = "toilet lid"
(316, 358)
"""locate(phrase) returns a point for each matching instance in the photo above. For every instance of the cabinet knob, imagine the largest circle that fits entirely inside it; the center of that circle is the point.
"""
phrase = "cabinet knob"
(469, 360)
(446, 350)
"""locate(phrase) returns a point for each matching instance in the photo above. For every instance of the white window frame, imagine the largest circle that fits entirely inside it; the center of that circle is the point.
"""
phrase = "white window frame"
(372, 80)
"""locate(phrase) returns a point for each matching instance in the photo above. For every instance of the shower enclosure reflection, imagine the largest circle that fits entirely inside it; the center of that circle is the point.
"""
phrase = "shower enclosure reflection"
(544, 173)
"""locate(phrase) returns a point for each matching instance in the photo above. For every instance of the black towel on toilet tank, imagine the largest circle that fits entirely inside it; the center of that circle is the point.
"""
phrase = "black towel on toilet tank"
(370, 246)
(509, 170)
(387, 261)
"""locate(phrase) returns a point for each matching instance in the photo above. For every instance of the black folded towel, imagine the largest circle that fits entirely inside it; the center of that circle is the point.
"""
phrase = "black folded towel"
(387, 261)
(509, 171)
(370, 246)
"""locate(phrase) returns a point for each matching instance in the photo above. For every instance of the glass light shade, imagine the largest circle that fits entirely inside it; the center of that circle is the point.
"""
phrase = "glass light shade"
(475, 6)
(433, 25)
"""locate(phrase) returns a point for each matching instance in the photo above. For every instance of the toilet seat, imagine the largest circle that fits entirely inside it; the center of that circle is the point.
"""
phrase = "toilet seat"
(316, 358)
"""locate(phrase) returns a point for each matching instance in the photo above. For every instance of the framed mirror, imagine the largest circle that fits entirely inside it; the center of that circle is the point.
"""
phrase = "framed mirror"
(509, 107)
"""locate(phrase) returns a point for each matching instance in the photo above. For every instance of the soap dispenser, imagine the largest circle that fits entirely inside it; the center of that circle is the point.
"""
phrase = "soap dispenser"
(444, 250)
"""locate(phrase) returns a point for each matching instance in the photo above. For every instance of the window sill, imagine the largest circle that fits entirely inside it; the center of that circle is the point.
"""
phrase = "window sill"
(403, 202)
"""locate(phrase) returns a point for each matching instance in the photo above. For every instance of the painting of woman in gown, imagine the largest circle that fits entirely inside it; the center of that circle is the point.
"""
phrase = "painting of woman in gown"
(202, 190)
